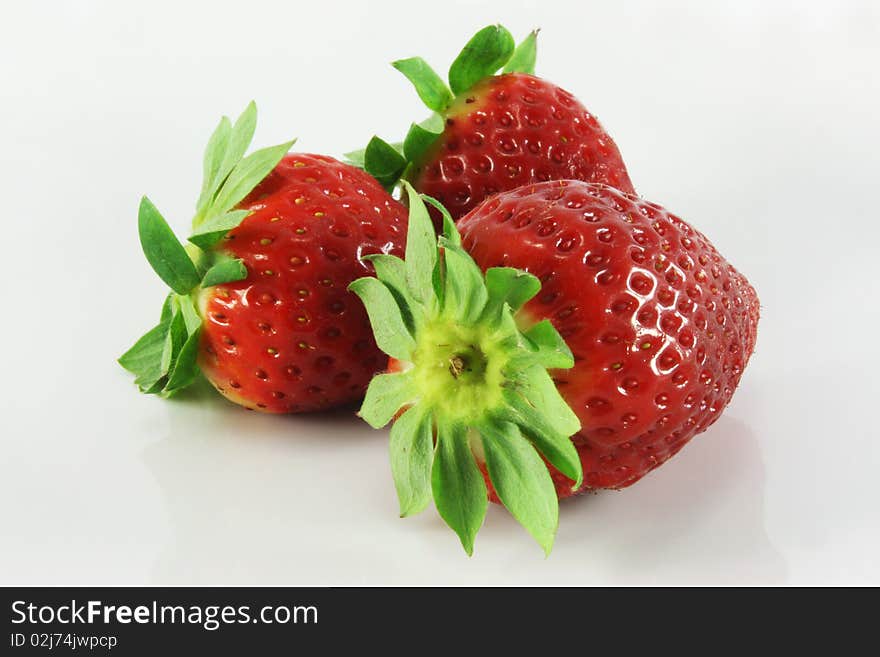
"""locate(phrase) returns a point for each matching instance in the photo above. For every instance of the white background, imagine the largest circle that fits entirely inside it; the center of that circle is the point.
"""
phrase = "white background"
(757, 121)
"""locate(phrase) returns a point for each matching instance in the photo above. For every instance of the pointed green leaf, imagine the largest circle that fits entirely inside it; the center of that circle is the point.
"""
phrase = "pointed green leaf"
(429, 86)
(386, 394)
(450, 232)
(190, 313)
(521, 480)
(246, 175)
(511, 286)
(552, 352)
(384, 162)
(434, 123)
(545, 419)
(421, 248)
(541, 392)
(465, 291)
(164, 252)
(167, 307)
(185, 368)
(225, 271)
(486, 52)
(144, 358)
(412, 453)
(392, 335)
(391, 270)
(215, 228)
(460, 493)
(213, 159)
(523, 58)
(177, 335)
(418, 140)
(239, 139)
(356, 158)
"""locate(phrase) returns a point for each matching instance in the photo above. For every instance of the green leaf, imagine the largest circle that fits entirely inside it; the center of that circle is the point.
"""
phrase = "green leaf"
(386, 394)
(213, 159)
(356, 158)
(177, 335)
(418, 140)
(391, 270)
(225, 271)
(429, 86)
(246, 175)
(511, 286)
(421, 249)
(392, 335)
(521, 480)
(167, 307)
(552, 352)
(523, 58)
(384, 162)
(239, 140)
(191, 316)
(546, 420)
(144, 358)
(412, 453)
(214, 229)
(434, 123)
(164, 252)
(460, 493)
(185, 368)
(484, 54)
(465, 292)
(541, 392)
(450, 232)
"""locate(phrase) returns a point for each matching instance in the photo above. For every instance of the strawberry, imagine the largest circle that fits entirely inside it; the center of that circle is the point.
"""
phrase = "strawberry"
(492, 133)
(572, 337)
(259, 301)
(660, 325)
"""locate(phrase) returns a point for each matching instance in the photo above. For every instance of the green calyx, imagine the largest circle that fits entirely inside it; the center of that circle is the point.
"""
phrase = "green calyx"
(472, 383)
(163, 360)
(489, 50)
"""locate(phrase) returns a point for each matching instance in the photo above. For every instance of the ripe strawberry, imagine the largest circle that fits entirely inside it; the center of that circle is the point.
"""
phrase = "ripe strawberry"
(497, 132)
(260, 302)
(660, 325)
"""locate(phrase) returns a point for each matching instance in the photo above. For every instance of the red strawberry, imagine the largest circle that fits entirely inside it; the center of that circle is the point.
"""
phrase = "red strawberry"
(659, 329)
(660, 325)
(260, 303)
(496, 132)
(511, 130)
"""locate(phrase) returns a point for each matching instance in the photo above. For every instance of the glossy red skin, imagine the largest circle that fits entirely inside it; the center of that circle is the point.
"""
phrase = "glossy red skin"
(291, 337)
(511, 130)
(660, 325)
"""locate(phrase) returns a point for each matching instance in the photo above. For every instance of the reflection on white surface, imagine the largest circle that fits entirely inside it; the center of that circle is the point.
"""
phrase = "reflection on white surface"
(253, 498)
(767, 141)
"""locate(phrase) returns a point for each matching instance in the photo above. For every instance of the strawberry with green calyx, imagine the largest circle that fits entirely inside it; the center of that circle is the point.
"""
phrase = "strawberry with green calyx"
(660, 324)
(466, 384)
(491, 133)
(259, 301)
